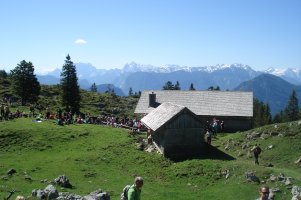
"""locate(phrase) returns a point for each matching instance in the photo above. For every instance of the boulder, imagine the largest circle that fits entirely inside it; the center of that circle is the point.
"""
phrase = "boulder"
(97, 195)
(298, 161)
(63, 181)
(11, 171)
(296, 192)
(288, 181)
(41, 194)
(251, 177)
(273, 178)
(51, 192)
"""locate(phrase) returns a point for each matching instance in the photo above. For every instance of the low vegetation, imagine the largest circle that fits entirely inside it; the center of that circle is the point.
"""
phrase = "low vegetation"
(94, 156)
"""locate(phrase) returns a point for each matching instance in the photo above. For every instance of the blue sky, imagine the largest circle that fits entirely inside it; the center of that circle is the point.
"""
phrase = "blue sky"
(111, 33)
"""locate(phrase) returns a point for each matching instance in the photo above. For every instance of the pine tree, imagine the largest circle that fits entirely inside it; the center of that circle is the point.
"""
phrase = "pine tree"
(25, 83)
(261, 113)
(3, 74)
(191, 87)
(168, 86)
(70, 89)
(130, 92)
(93, 88)
(292, 109)
(177, 86)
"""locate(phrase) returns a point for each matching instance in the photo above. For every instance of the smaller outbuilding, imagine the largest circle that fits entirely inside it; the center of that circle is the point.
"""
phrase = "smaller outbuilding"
(175, 130)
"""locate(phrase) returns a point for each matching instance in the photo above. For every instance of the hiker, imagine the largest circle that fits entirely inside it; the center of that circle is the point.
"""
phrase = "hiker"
(208, 137)
(20, 198)
(264, 193)
(256, 150)
(135, 190)
(222, 128)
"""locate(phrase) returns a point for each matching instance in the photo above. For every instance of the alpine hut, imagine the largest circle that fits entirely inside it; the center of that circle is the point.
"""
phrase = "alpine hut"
(234, 108)
(175, 130)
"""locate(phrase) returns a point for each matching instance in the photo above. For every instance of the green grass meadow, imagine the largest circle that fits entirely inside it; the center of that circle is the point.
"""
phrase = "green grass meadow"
(94, 156)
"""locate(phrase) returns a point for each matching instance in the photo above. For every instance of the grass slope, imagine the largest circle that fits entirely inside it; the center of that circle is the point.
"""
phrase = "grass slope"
(95, 157)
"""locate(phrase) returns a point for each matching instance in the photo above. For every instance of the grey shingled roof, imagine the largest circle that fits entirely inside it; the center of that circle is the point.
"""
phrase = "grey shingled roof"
(211, 103)
(161, 115)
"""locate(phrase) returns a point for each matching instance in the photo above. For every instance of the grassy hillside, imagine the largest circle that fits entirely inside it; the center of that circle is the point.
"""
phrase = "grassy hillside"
(95, 157)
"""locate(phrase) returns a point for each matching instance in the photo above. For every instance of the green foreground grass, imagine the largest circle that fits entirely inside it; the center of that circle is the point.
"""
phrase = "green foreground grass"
(94, 157)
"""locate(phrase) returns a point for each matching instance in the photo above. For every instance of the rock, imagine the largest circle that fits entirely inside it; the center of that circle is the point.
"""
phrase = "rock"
(4, 178)
(280, 135)
(150, 149)
(97, 195)
(281, 177)
(270, 165)
(273, 178)
(253, 135)
(51, 192)
(296, 192)
(41, 194)
(34, 192)
(288, 181)
(251, 177)
(69, 196)
(28, 178)
(270, 147)
(227, 147)
(275, 126)
(11, 171)
(298, 161)
(265, 136)
(63, 181)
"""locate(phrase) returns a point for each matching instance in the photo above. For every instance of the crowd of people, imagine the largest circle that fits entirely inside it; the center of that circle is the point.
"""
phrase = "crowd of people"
(212, 128)
(66, 117)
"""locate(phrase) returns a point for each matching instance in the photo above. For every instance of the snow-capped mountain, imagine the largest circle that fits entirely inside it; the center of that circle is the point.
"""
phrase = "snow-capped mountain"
(292, 75)
(134, 67)
(140, 77)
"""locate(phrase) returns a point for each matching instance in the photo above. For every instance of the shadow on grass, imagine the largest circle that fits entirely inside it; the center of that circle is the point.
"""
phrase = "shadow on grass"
(209, 152)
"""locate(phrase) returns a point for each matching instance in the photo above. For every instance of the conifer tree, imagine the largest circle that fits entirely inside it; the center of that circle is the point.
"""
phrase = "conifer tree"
(191, 87)
(292, 108)
(24, 82)
(70, 89)
(130, 92)
(168, 86)
(177, 86)
(93, 88)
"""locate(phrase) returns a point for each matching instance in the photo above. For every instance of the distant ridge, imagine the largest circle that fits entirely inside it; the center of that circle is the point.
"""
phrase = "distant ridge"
(272, 90)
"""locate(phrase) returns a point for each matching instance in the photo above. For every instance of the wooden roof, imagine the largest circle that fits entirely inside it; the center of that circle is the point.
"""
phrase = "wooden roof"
(161, 115)
(208, 103)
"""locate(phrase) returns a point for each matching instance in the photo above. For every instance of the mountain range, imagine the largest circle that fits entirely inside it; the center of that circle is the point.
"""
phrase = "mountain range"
(272, 90)
(269, 86)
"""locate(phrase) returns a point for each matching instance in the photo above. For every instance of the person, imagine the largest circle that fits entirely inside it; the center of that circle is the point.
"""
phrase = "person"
(264, 193)
(208, 137)
(256, 150)
(222, 126)
(20, 198)
(134, 192)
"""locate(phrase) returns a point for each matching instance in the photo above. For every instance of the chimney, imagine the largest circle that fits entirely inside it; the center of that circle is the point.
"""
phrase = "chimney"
(152, 100)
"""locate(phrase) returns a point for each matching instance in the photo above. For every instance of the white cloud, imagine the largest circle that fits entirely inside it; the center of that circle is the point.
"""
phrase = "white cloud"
(80, 41)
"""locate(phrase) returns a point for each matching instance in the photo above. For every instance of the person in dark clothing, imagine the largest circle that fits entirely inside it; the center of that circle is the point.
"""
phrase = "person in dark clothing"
(256, 150)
